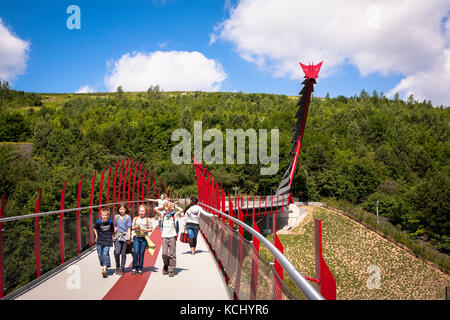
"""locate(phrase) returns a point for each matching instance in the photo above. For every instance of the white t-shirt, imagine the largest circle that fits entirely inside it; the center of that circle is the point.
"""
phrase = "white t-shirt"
(161, 202)
(143, 223)
(194, 212)
(169, 225)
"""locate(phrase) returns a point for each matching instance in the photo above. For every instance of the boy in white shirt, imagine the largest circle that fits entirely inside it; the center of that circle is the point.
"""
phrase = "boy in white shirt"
(169, 219)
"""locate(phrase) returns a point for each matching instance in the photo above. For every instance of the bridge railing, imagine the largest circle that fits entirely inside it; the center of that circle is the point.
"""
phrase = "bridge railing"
(233, 262)
(248, 274)
(33, 245)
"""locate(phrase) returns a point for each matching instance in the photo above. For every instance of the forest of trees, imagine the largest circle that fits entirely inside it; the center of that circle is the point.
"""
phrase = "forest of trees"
(360, 149)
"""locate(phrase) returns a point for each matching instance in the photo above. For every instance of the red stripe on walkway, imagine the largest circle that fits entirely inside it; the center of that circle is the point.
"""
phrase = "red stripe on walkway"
(130, 287)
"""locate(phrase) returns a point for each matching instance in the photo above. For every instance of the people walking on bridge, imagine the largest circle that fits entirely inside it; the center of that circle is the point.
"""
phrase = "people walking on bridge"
(103, 231)
(169, 231)
(122, 237)
(161, 201)
(193, 212)
(141, 226)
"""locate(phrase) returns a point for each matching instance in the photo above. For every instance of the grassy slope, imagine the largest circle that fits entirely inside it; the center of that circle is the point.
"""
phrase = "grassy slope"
(349, 248)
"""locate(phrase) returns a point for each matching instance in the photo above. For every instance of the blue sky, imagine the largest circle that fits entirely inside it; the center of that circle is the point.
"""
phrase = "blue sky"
(63, 60)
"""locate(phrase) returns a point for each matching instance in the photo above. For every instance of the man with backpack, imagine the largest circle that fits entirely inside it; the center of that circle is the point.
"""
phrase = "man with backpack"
(169, 231)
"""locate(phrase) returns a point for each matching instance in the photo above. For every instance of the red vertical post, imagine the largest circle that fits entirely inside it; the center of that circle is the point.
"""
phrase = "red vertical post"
(218, 197)
(2, 259)
(223, 204)
(134, 185)
(327, 283)
(277, 288)
(78, 215)
(91, 202)
(276, 211)
(165, 189)
(61, 224)
(114, 184)
(139, 182)
(143, 185)
(255, 262)
(37, 242)
(120, 180)
(171, 194)
(240, 256)
(148, 187)
(207, 195)
(125, 180)
(100, 194)
(129, 180)
(230, 237)
(253, 211)
(153, 192)
(107, 187)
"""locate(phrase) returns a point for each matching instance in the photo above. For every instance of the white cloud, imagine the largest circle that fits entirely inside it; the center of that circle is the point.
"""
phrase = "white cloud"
(13, 54)
(171, 70)
(401, 37)
(85, 89)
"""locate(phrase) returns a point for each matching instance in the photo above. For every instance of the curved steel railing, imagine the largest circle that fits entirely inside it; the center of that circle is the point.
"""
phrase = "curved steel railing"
(302, 284)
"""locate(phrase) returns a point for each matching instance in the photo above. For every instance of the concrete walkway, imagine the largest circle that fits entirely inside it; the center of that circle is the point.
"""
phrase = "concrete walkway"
(196, 278)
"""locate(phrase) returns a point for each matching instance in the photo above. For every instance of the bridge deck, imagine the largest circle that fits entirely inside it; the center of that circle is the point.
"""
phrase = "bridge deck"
(196, 278)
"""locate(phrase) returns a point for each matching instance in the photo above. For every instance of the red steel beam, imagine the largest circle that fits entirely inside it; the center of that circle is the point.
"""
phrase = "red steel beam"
(114, 184)
(129, 180)
(78, 215)
(108, 184)
(100, 194)
(61, 224)
(91, 202)
(134, 184)
(255, 262)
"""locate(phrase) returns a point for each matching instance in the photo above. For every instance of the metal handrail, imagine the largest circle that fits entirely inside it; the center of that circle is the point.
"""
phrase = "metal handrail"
(302, 284)
(33, 215)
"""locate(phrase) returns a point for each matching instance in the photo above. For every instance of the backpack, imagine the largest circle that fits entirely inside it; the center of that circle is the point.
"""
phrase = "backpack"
(117, 219)
(146, 219)
(100, 221)
(177, 225)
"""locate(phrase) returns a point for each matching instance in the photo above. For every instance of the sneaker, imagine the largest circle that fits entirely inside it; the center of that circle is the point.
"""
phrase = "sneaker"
(104, 272)
(170, 273)
(117, 271)
(140, 272)
(133, 272)
(164, 272)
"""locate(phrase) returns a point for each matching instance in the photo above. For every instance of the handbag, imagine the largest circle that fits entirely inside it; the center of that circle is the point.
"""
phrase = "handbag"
(184, 237)
(129, 249)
